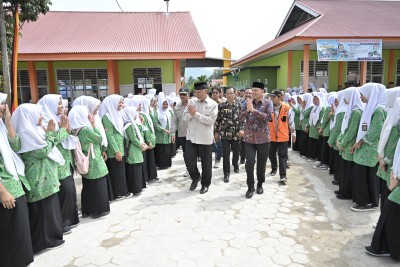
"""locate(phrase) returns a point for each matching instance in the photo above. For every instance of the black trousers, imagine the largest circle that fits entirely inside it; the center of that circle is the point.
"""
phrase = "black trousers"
(325, 151)
(313, 148)
(346, 177)
(205, 154)
(282, 149)
(336, 165)
(296, 145)
(262, 151)
(242, 150)
(227, 146)
(182, 142)
(304, 143)
(387, 232)
(366, 185)
(331, 160)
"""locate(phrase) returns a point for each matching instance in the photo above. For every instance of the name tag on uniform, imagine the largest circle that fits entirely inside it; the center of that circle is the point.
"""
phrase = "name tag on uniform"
(364, 127)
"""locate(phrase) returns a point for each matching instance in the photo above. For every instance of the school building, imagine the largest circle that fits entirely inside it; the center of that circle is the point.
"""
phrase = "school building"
(291, 59)
(101, 53)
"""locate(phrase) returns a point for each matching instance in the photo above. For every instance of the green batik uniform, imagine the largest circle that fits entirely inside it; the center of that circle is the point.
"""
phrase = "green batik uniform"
(161, 136)
(40, 169)
(306, 117)
(148, 135)
(367, 154)
(348, 139)
(115, 139)
(335, 131)
(135, 154)
(97, 167)
(297, 123)
(13, 186)
(326, 122)
(390, 149)
(64, 171)
(313, 131)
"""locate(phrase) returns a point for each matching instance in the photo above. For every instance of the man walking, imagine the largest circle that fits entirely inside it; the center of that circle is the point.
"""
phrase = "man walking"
(200, 114)
(279, 126)
(257, 113)
(248, 94)
(217, 97)
(178, 124)
(227, 129)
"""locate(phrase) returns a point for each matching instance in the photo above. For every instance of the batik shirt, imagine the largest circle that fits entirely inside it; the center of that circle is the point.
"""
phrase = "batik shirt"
(227, 124)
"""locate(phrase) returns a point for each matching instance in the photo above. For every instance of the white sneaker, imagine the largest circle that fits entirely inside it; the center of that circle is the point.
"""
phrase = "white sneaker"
(216, 164)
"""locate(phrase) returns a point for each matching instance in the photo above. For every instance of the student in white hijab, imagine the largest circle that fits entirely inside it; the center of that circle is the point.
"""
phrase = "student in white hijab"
(40, 155)
(95, 192)
(53, 109)
(136, 147)
(16, 245)
(315, 140)
(346, 139)
(386, 238)
(111, 113)
(162, 126)
(366, 184)
(304, 118)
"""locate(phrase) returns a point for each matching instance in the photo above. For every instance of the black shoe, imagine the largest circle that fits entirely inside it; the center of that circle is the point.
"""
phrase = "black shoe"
(194, 184)
(334, 182)
(67, 230)
(226, 178)
(375, 253)
(204, 189)
(361, 208)
(283, 179)
(250, 192)
(272, 173)
(242, 161)
(339, 196)
(98, 215)
(260, 190)
(336, 192)
(236, 169)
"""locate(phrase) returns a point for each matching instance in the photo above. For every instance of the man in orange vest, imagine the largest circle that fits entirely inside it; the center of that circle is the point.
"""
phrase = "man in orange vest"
(280, 124)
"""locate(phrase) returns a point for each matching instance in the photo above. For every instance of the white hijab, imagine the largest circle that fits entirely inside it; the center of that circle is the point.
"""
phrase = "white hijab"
(33, 137)
(393, 118)
(331, 102)
(78, 117)
(354, 103)
(109, 108)
(396, 161)
(164, 116)
(129, 115)
(344, 94)
(146, 112)
(309, 103)
(92, 103)
(316, 110)
(295, 105)
(13, 164)
(50, 105)
(375, 93)
(287, 97)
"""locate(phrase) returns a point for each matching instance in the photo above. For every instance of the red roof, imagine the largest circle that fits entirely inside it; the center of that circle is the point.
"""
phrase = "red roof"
(342, 19)
(111, 32)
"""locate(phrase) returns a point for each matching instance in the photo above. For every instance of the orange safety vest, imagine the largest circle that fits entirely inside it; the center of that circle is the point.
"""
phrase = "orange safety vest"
(283, 125)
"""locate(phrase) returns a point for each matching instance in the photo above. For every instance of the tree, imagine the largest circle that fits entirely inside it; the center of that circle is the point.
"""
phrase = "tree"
(29, 10)
(217, 74)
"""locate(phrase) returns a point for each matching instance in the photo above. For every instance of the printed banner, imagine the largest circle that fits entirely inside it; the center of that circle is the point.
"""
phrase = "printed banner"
(349, 50)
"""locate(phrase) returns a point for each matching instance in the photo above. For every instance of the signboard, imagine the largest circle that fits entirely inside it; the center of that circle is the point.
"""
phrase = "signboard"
(349, 50)
(168, 88)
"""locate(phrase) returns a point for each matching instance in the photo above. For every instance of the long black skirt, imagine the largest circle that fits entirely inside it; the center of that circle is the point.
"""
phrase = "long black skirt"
(110, 191)
(134, 177)
(145, 174)
(117, 174)
(173, 149)
(15, 236)
(346, 177)
(296, 145)
(304, 144)
(366, 185)
(331, 160)
(387, 232)
(163, 156)
(94, 196)
(325, 150)
(313, 148)
(68, 203)
(385, 192)
(336, 164)
(45, 223)
(151, 164)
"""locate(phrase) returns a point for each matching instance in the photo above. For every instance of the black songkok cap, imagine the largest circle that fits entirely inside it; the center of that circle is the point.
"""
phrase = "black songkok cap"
(258, 85)
(200, 86)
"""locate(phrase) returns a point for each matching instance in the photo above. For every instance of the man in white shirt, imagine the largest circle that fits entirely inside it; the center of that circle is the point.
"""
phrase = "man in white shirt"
(200, 114)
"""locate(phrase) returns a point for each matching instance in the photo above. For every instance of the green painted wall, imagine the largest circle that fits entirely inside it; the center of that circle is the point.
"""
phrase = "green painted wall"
(277, 60)
(79, 64)
(297, 57)
(125, 69)
(262, 74)
(244, 80)
(333, 70)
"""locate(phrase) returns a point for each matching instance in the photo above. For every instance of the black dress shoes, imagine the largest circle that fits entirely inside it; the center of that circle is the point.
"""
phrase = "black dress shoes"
(272, 173)
(250, 192)
(204, 189)
(260, 190)
(194, 184)
(242, 161)
(226, 178)
(336, 192)
(236, 169)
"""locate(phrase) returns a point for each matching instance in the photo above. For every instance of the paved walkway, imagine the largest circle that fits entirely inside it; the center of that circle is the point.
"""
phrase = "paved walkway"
(300, 224)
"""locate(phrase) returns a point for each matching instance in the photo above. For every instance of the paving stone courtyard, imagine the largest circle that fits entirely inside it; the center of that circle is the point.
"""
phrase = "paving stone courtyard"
(298, 224)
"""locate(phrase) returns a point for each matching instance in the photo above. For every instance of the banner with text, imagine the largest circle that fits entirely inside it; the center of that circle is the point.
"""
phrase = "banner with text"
(350, 50)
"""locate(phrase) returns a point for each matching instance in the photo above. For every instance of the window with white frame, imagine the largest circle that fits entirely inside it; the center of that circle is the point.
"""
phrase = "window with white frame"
(318, 72)
(375, 71)
(146, 78)
(23, 84)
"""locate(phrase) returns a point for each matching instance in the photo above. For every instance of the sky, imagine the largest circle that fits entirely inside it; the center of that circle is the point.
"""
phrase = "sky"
(240, 26)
